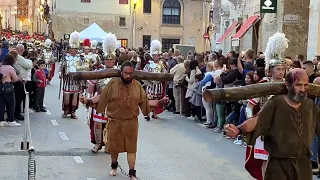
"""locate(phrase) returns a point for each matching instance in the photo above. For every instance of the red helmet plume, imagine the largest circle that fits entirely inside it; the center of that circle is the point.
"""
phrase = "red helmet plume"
(87, 43)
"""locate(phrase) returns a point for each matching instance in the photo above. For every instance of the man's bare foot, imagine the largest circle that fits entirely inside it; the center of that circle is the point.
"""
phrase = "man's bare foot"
(113, 172)
(132, 178)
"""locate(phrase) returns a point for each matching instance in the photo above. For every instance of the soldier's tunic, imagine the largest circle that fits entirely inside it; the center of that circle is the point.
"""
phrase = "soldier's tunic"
(121, 103)
(288, 134)
(156, 89)
(49, 59)
(96, 87)
(70, 102)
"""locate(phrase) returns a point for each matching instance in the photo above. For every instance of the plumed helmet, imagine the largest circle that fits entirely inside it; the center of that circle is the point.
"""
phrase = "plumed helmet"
(47, 43)
(276, 46)
(94, 44)
(155, 47)
(86, 43)
(109, 46)
(74, 41)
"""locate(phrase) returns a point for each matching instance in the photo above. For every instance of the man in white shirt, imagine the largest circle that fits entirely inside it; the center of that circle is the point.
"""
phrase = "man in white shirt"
(23, 66)
(178, 70)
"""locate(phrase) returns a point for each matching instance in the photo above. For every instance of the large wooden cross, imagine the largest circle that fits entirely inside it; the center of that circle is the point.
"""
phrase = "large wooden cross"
(107, 73)
(253, 91)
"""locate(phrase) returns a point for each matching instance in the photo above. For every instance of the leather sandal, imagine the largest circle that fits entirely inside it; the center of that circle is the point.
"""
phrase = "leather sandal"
(73, 115)
(96, 148)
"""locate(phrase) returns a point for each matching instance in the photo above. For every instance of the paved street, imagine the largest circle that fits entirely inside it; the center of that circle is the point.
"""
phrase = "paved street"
(172, 148)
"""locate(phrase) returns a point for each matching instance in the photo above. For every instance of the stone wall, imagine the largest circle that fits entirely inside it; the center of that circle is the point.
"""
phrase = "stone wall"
(297, 33)
(67, 22)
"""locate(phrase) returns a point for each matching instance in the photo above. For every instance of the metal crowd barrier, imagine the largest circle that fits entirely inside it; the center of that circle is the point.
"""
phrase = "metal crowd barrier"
(27, 136)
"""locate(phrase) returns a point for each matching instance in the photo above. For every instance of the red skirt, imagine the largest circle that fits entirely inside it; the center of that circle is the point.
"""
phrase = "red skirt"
(252, 165)
(53, 68)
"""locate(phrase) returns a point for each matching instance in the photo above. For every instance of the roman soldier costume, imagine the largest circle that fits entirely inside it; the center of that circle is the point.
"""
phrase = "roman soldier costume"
(155, 89)
(98, 120)
(95, 56)
(47, 55)
(257, 156)
(71, 91)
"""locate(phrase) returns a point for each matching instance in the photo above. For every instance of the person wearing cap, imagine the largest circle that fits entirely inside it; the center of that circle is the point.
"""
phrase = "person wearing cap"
(70, 102)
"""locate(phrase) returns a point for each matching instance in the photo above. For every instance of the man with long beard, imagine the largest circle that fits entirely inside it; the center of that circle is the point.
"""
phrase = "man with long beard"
(288, 124)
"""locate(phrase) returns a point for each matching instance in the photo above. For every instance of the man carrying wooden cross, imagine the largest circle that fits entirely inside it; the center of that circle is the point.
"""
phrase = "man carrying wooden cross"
(121, 99)
(288, 124)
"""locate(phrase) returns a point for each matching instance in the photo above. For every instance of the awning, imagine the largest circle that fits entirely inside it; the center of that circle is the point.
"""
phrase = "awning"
(246, 25)
(228, 32)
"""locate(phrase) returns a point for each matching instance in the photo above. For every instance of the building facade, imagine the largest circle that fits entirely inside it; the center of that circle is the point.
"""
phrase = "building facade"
(75, 15)
(172, 22)
(10, 10)
(137, 22)
(252, 29)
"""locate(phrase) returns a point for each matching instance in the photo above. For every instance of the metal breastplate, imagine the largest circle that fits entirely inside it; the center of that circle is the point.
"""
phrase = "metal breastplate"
(71, 63)
(48, 57)
(101, 83)
(83, 65)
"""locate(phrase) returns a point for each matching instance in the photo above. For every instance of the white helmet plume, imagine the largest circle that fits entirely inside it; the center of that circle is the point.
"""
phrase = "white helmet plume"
(74, 40)
(47, 43)
(109, 44)
(94, 44)
(155, 47)
(276, 46)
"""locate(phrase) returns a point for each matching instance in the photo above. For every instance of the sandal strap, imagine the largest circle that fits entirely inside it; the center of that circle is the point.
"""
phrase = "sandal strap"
(132, 172)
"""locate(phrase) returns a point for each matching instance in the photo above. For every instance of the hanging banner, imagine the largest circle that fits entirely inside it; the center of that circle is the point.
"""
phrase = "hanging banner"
(268, 6)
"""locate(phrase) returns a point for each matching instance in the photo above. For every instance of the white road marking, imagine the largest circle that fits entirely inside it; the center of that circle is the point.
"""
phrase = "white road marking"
(54, 122)
(78, 159)
(48, 112)
(63, 136)
(90, 178)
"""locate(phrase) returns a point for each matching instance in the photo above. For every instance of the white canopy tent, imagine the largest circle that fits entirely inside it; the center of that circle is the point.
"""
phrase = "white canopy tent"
(93, 32)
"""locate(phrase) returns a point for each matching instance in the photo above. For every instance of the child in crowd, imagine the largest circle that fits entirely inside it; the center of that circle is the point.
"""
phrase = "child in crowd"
(33, 89)
(196, 99)
(41, 83)
(244, 113)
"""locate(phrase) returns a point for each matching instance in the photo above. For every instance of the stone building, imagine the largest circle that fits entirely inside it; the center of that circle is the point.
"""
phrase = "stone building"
(251, 29)
(137, 22)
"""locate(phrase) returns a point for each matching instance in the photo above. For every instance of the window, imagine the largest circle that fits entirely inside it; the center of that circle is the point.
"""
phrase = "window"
(123, 2)
(168, 43)
(146, 40)
(86, 1)
(123, 43)
(146, 6)
(122, 21)
(171, 12)
(85, 21)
